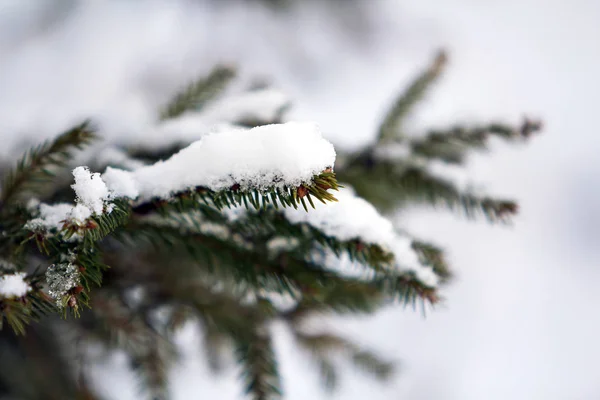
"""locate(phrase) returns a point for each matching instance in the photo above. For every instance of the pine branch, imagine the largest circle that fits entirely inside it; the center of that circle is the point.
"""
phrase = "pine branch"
(324, 345)
(391, 126)
(36, 167)
(199, 93)
(225, 259)
(433, 256)
(388, 186)
(405, 289)
(343, 296)
(418, 185)
(452, 145)
(20, 312)
(152, 366)
(36, 365)
(286, 197)
(259, 366)
(223, 314)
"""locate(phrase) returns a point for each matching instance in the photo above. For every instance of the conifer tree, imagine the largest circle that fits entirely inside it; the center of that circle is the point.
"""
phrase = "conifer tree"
(253, 223)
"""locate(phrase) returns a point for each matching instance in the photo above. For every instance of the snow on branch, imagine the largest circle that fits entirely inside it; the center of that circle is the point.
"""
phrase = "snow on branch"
(270, 156)
(354, 218)
(274, 159)
(13, 285)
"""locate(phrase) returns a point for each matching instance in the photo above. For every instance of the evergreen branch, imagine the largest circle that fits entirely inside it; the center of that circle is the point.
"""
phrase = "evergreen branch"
(223, 314)
(264, 225)
(152, 366)
(226, 259)
(433, 256)
(199, 93)
(391, 126)
(118, 326)
(20, 312)
(388, 186)
(259, 366)
(342, 296)
(418, 185)
(35, 167)
(234, 196)
(322, 346)
(405, 289)
(36, 365)
(451, 145)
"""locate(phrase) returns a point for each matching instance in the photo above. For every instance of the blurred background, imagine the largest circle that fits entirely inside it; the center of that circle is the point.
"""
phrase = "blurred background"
(520, 321)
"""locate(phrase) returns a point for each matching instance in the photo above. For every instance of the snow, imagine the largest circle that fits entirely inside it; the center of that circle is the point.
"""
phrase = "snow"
(217, 230)
(555, 335)
(13, 285)
(352, 217)
(92, 196)
(121, 183)
(393, 151)
(280, 244)
(80, 213)
(260, 158)
(90, 189)
(51, 216)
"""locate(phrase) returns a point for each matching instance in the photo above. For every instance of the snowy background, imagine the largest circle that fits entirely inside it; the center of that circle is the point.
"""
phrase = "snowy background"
(521, 319)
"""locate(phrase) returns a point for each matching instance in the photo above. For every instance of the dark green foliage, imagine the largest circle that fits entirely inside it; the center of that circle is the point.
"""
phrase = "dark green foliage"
(259, 366)
(37, 166)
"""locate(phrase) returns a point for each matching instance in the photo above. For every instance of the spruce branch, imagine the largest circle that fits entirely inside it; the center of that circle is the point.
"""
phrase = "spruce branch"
(405, 289)
(225, 259)
(20, 312)
(433, 256)
(152, 365)
(323, 346)
(255, 198)
(392, 123)
(452, 145)
(259, 366)
(37, 365)
(420, 186)
(198, 93)
(36, 167)
(343, 296)
(388, 186)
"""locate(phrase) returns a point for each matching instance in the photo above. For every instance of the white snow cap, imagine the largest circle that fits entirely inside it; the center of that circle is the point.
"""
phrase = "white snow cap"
(266, 156)
(90, 189)
(51, 216)
(120, 182)
(351, 218)
(13, 285)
